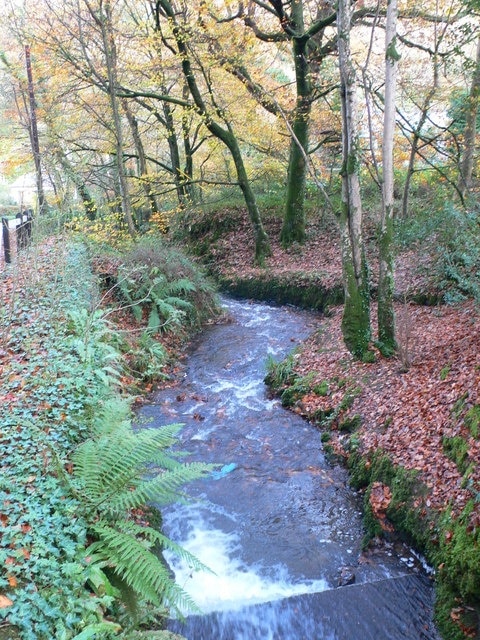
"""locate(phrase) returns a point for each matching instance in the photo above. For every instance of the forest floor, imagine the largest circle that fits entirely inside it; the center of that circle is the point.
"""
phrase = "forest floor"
(421, 407)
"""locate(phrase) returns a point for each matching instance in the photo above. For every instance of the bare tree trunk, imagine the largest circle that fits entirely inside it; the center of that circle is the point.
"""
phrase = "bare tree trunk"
(356, 314)
(142, 161)
(105, 23)
(33, 131)
(386, 317)
(466, 164)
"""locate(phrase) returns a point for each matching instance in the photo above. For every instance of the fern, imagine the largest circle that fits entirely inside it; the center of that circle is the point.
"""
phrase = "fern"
(155, 537)
(98, 630)
(135, 563)
(92, 340)
(131, 549)
(149, 291)
(149, 359)
(114, 413)
(115, 462)
(182, 285)
(163, 288)
(164, 489)
(110, 478)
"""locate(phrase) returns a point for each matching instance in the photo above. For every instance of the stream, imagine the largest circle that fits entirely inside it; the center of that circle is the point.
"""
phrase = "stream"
(279, 527)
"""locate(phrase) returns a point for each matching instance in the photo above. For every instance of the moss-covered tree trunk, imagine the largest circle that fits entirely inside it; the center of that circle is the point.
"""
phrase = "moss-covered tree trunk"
(188, 149)
(174, 150)
(386, 316)
(356, 313)
(304, 25)
(293, 229)
(262, 246)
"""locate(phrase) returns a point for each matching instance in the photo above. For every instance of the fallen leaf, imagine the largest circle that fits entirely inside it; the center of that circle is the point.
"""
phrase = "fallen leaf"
(12, 581)
(5, 602)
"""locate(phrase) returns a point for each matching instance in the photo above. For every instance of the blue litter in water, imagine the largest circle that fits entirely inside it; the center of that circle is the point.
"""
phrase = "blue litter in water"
(227, 468)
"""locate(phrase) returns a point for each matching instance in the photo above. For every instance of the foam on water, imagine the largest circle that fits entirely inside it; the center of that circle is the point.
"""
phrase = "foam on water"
(231, 584)
(249, 394)
(203, 434)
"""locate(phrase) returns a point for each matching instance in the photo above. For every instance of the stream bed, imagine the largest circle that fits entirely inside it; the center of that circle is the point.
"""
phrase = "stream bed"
(279, 527)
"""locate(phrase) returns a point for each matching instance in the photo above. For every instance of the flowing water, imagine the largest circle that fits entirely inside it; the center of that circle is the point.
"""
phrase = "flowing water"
(279, 527)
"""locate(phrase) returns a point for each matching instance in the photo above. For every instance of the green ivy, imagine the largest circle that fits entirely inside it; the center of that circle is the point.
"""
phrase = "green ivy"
(58, 538)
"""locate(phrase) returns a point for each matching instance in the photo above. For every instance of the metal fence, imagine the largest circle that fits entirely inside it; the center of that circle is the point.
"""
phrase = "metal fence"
(16, 233)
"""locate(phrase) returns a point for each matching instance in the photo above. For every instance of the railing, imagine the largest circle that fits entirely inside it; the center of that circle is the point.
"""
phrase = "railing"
(16, 233)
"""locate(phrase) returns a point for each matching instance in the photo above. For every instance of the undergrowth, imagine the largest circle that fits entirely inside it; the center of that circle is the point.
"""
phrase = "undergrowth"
(291, 387)
(74, 548)
(164, 288)
(452, 236)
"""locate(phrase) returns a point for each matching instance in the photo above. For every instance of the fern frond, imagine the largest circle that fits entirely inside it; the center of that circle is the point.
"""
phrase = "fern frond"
(182, 285)
(97, 630)
(126, 286)
(182, 305)
(157, 537)
(139, 567)
(163, 489)
(114, 413)
(108, 470)
(168, 311)
(154, 322)
(110, 476)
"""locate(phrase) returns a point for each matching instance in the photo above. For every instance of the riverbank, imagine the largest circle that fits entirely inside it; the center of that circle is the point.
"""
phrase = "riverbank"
(76, 543)
(408, 426)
